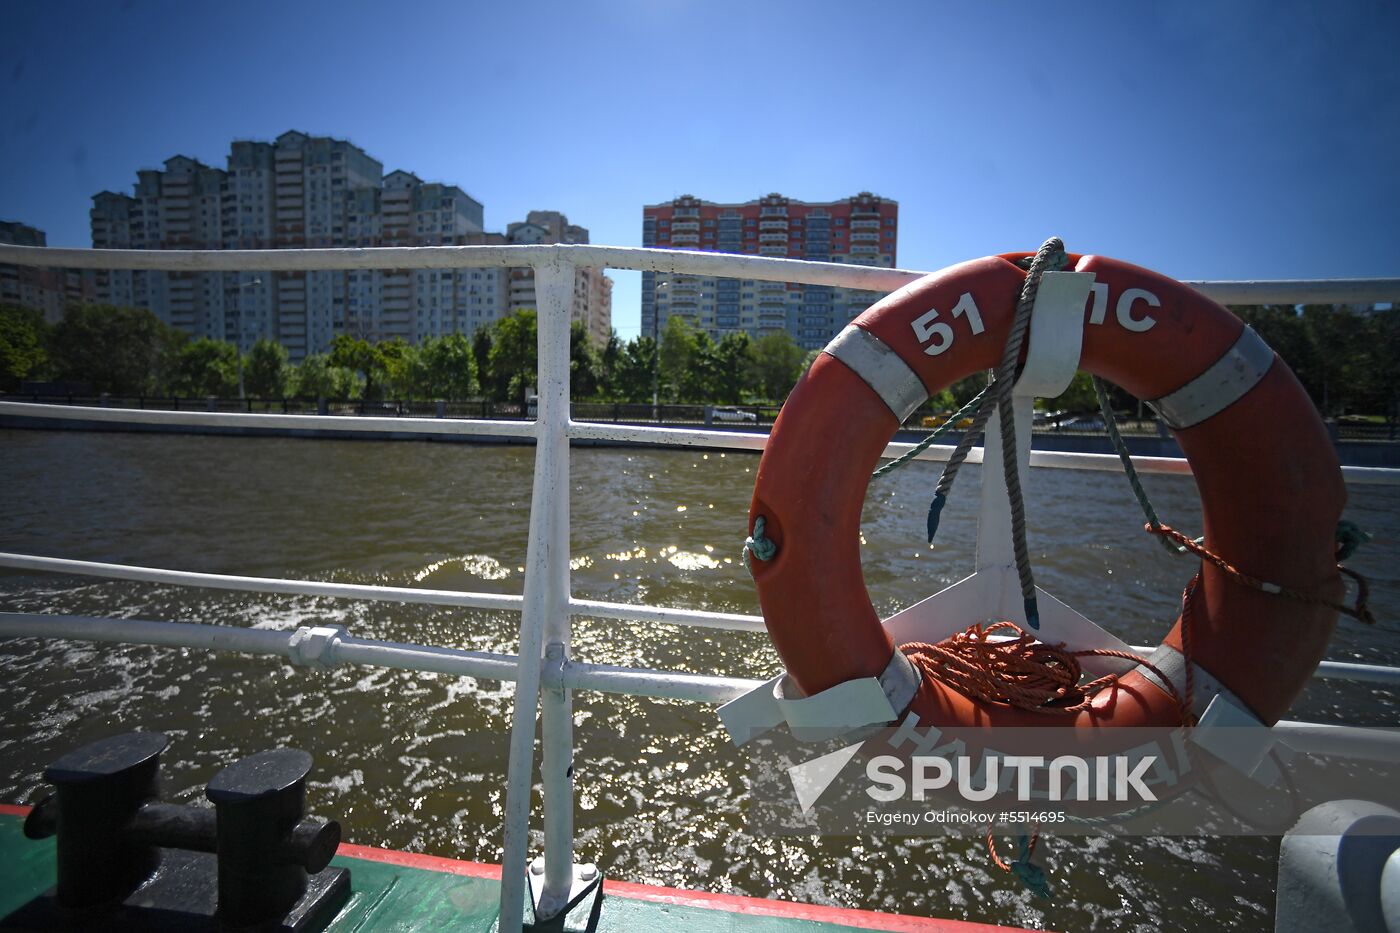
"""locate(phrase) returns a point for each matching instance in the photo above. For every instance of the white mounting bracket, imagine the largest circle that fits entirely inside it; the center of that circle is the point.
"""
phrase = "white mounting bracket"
(993, 591)
(552, 911)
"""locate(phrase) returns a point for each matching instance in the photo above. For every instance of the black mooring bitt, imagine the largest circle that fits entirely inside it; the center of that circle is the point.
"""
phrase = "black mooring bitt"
(125, 859)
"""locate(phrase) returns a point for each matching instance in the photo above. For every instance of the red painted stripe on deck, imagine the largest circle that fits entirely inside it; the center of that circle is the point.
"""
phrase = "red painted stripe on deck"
(447, 866)
(729, 903)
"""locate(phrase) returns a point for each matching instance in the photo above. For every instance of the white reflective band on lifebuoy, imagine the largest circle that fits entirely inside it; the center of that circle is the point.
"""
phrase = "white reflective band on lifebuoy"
(879, 367)
(1220, 386)
(1204, 686)
(900, 681)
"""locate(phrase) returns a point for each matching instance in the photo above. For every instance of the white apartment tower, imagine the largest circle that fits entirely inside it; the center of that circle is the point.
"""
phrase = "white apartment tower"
(592, 299)
(299, 191)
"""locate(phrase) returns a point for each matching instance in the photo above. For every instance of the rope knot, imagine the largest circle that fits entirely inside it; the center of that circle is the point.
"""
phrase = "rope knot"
(757, 545)
(1027, 872)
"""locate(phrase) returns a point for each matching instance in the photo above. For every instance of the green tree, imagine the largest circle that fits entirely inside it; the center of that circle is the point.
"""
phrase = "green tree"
(318, 377)
(514, 357)
(778, 360)
(679, 341)
(445, 368)
(1078, 396)
(1380, 370)
(585, 369)
(702, 379)
(360, 356)
(481, 354)
(124, 351)
(22, 351)
(266, 372)
(397, 361)
(965, 390)
(1338, 338)
(636, 370)
(610, 362)
(204, 367)
(735, 371)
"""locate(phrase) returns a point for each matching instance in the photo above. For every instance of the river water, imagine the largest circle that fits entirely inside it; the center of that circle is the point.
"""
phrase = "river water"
(416, 761)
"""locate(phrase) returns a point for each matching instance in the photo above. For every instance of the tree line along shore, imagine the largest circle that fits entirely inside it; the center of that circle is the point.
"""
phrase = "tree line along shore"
(1349, 362)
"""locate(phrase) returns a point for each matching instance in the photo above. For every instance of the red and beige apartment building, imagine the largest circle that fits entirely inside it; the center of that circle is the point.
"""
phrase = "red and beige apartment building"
(860, 230)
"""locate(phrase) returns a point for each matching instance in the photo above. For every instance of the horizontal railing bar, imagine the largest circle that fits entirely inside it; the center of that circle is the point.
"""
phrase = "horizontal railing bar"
(674, 685)
(142, 632)
(1050, 459)
(590, 430)
(485, 665)
(1325, 738)
(229, 419)
(1307, 737)
(695, 618)
(1299, 291)
(768, 268)
(373, 592)
(481, 665)
(675, 437)
(222, 581)
(1338, 670)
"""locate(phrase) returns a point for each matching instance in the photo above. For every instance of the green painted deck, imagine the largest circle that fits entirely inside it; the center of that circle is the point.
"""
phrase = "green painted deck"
(400, 891)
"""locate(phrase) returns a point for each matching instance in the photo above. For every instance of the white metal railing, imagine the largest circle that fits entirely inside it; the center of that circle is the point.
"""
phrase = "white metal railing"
(542, 670)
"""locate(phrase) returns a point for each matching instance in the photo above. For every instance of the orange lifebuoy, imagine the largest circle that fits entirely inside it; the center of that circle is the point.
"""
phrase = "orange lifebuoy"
(1269, 481)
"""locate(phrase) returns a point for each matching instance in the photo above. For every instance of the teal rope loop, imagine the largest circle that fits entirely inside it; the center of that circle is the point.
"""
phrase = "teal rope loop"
(1030, 874)
(937, 432)
(757, 545)
(1349, 538)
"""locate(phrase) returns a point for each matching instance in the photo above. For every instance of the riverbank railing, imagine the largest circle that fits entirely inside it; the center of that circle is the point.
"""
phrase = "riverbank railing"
(543, 670)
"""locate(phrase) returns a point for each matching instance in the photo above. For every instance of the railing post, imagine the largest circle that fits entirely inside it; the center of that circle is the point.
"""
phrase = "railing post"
(544, 622)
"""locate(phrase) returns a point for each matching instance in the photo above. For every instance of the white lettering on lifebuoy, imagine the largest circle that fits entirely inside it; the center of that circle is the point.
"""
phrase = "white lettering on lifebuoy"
(967, 306)
(928, 328)
(1100, 309)
(1125, 309)
(1098, 312)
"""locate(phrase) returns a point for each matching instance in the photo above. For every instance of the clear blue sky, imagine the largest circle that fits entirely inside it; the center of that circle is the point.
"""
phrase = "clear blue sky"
(1207, 140)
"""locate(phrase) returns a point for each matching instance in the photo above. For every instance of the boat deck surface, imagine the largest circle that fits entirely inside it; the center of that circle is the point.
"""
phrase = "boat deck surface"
(402, 891)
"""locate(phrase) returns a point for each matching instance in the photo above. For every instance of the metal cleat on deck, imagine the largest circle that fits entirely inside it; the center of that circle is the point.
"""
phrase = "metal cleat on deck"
(126, 860)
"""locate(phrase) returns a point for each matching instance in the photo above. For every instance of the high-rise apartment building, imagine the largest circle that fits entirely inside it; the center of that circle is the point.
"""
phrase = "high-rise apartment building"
(861, 230)
(592, 300)
(298, 191)
(45, 290)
